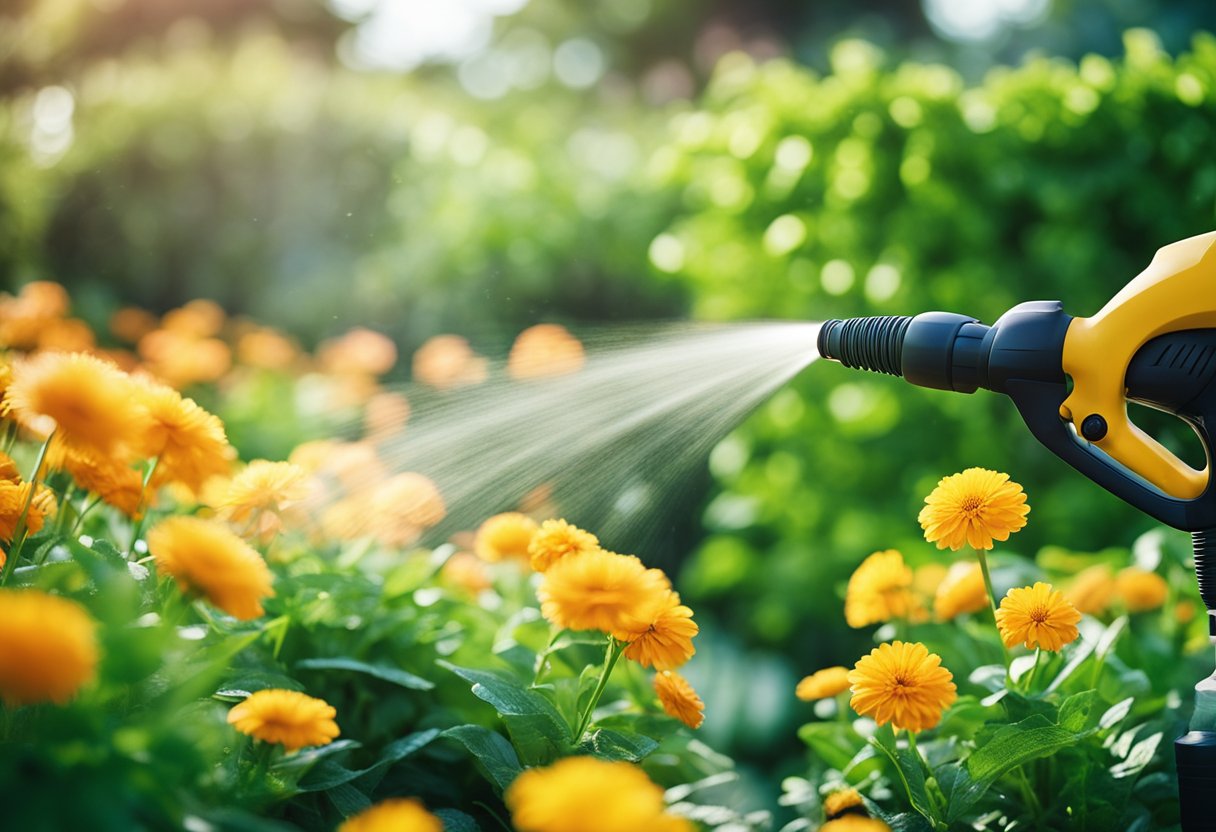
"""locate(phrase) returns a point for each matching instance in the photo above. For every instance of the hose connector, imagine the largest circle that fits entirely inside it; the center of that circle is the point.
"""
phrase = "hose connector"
(874, 344)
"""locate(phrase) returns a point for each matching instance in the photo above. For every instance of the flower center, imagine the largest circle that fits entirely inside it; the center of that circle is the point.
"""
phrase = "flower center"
(1039, 614)
(972, 503)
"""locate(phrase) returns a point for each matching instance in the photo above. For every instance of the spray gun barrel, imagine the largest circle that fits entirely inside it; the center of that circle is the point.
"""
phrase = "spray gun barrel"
(1153, 343)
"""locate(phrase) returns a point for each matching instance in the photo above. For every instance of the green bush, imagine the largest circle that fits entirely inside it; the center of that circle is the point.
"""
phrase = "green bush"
(884, 189)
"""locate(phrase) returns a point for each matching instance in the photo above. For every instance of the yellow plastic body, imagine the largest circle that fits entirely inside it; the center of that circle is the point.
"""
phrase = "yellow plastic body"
(1177, 291)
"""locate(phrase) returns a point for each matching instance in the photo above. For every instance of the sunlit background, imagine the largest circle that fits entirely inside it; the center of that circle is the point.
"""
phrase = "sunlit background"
(473, 167)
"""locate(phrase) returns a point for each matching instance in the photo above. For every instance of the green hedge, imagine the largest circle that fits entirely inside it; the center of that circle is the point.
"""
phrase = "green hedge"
(895, 189)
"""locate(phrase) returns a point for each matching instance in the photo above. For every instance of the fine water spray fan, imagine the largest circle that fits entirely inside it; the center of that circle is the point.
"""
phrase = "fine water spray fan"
(1154, 343)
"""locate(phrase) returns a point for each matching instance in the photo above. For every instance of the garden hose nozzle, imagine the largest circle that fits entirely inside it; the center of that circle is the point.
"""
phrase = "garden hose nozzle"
(1153, 343)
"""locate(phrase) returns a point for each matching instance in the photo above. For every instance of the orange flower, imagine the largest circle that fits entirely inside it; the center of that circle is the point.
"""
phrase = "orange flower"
(855, 823)
(545, 350)
(115, 482)
(23, 318)
(973, 508)
(667, 642)
(181, 358)
(841, 801)
(403, 507)
(359, 352)
(903, 684)
(879, 590)
(602, 591)
(397, 814)
(679, 699)
(962, 591)
(89, 403)
(267, 348)
(201, 318)
(1141, 590)
(262, 495)
(48, 647)
(467, 572)
(557, 539)
(1092, 590)
(130, 323)
(505, 537)
(287, 717)
(823, 684)
(447, 361)
(385, 416)
(13, 496)
(1037, 616)
(205, 555)
(189, 443)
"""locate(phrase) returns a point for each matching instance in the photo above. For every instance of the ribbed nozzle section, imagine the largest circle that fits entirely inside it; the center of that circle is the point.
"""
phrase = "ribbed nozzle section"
(1204, 542)
(874, 343)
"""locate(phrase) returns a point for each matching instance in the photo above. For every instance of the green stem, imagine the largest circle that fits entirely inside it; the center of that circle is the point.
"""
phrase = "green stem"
(142, 511)
(934, 809)
(1028, 794)
(983, 558)
(1038, 652)
(615, 648)
(543, 658)
(19, 536)
(842, 707)
(89, 506)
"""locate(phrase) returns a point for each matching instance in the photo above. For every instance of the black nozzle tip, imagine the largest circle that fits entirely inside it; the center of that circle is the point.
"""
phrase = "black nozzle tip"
(874, 343)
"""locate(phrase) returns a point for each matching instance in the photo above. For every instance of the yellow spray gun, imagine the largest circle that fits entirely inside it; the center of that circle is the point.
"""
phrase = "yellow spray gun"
(1153, 343)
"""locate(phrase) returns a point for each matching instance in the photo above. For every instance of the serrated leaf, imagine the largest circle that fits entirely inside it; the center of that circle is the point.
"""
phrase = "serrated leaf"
(617, 745)
(492, 754)
(395, 675)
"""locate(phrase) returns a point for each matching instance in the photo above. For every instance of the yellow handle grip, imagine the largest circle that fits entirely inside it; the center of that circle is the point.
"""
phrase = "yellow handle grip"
(1177, 291)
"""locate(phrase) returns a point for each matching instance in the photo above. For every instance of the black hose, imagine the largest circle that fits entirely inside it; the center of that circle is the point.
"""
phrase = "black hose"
(1204, 543)
(874, 343)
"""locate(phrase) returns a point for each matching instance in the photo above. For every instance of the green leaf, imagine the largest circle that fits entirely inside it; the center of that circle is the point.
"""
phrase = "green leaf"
(836, 743)
(1009, 747)
(617, 745)
(329, 774)
(538, 731)
(301, 761)
(395, 675)
(492, 754)
(912, 771)
(348, 800)
(456, 821)
(1079, 712)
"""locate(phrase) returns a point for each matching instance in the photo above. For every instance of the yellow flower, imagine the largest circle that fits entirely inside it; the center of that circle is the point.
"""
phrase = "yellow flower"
(927, 578)
(903, 684)
(260, 497)
(569, 796)
(467, 572)
(823, 684)
(878, 590)
(545, 350)
(403, 507)
(189, 443)
(602, 591)
(130, 323)
(204, 555)
(962, 591)
(397, 814)
(115, 482)
(287, 717)
(973, 508)
(855, 823)
(267, 349)
(841, 801)
(1184, 611)
(679, 699)
(200, 317)
(181, 358)
(505, 537)
(48, 647)
(13, 495)
(556, 539)
(89, 403)
(667, 642)
(1141, 590)
(1092, 590)
(1037, 616)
